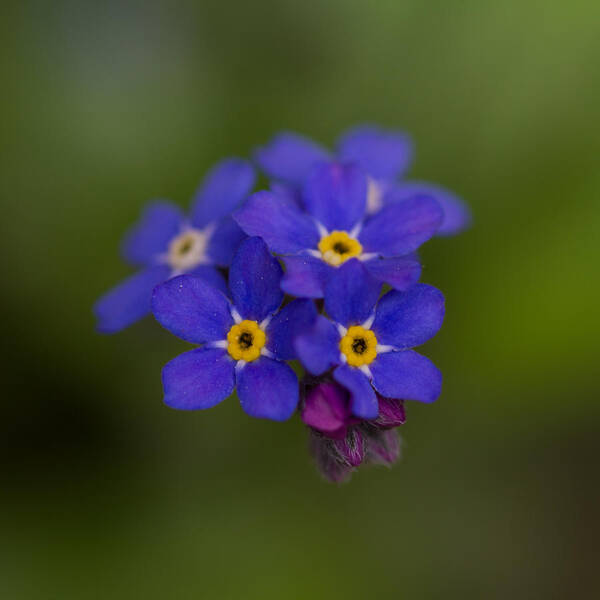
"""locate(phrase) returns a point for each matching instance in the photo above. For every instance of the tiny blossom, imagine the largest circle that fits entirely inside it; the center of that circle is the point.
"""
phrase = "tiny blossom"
(385, 155)
(244, 343)
(332, 227)
(368, 346)
(164, 243)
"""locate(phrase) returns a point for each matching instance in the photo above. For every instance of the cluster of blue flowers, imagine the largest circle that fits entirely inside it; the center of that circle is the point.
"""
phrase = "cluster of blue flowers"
(295, 273)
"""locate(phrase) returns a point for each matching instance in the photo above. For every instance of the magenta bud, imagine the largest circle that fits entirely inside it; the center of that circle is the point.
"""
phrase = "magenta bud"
(327, 409)
(391, 413)
(382, 446)
(326, 458)
(351, 449)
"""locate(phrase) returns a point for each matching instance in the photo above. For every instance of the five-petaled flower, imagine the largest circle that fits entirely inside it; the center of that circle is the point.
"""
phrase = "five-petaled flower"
(385, 155)
(370, 347)
(244, 342)
(165, 244)
(332, 227)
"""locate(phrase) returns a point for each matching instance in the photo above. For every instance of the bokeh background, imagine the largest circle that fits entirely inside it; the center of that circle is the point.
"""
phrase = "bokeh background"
(106, 493)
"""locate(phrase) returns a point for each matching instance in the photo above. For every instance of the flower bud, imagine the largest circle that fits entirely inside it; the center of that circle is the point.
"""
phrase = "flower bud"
(327, 459)
(351, 449)
(391, 413)
(382, 446)
(327, 409)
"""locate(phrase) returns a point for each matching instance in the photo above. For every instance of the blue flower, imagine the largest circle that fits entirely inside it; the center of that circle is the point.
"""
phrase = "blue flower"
(333, 228)
(371, 347)
(244, 344)
(384, 155)
(165, 244)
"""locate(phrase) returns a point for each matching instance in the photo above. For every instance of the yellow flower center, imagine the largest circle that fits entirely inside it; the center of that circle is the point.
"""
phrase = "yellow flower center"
(359, 346)
(338, 247)
(186, 251)
(245, 341)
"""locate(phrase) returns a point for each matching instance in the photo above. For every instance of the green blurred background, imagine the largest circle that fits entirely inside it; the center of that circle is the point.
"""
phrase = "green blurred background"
(106, 493)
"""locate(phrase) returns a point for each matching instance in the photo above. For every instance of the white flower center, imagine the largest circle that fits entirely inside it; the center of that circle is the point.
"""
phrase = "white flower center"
(187, 250)
(374, 196)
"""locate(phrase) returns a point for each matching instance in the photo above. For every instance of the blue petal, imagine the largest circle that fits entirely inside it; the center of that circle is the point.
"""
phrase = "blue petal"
(382, 154)
(288, 193)
(293, 319)
(212, 276)
(255, 279)
(278, 221)
(192, 309)
(351, 293)
(401, 227)
(336, 195)
(319, 348)
(457, 215)
(398, 271)
(408, 319)
(305, 276)
(364, 400)
(161, 221)
(198, 379)
(129, 301)
(406, 375)
(223, 189)
(268, 389)
(289, 157)
(224, 241)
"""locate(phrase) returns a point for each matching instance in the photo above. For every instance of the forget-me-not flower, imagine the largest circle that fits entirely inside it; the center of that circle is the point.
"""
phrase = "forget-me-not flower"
(385, 155)
(244, 343)
(332, 227)
(369, 347)
(164, 243)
